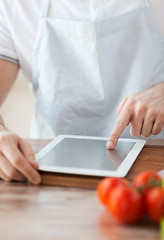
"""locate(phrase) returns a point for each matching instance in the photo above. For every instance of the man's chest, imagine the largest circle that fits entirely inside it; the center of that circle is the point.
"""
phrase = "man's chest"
(25, 29)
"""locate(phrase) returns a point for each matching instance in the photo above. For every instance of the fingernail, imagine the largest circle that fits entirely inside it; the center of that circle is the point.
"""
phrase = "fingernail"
(37, 180)
(109, 144)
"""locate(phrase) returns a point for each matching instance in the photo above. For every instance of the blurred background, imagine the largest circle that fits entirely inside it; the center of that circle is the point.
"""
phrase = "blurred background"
(17, 108)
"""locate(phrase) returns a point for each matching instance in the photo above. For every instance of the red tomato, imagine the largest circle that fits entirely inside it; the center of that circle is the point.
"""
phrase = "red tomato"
(125, 204)
(143, 180)
(106, 185)
(154, 202)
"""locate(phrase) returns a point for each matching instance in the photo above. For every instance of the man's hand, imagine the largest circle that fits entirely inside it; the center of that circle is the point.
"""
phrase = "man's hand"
(16, 155)
(145, 112)
(16, 158)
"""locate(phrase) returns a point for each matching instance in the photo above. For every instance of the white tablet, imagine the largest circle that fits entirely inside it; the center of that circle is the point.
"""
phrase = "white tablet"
(88, 156)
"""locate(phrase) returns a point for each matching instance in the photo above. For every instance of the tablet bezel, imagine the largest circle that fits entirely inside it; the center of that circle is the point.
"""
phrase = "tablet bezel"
(121, 171)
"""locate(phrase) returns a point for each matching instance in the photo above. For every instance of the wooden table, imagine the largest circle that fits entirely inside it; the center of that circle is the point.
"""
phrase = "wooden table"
(48, 212)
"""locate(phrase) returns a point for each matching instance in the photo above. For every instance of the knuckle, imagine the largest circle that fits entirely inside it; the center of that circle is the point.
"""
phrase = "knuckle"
(129, 108)
(11, 174)
(120, 124)
(131, 101)
(17, 161)
(141, 107)
(3, 139)
(7, 137)
(152, 113)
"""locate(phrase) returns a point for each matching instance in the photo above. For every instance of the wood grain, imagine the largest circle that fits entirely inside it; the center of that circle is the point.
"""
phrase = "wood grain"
(70, 180)
(149, 158)
(65, 213)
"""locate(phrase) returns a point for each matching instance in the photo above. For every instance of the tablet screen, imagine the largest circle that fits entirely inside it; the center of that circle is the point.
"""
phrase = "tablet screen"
(86, 154)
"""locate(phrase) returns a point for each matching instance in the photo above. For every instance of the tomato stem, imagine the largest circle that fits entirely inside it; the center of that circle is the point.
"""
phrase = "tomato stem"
(151, 183)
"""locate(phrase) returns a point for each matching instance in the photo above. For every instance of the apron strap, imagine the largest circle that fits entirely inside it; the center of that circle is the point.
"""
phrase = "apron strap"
(44, 8)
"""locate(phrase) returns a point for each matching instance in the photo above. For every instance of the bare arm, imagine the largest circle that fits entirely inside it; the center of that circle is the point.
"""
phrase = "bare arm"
(8, 74)
(16, 155)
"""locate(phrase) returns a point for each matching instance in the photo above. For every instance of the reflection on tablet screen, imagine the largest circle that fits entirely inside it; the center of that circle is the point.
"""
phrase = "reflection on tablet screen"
(86, 154)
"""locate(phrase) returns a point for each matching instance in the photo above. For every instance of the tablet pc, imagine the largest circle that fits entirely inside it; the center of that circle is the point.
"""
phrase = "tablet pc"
(85, 155)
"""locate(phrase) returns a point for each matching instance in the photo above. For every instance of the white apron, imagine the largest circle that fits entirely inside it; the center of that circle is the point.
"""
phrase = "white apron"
(82, 70)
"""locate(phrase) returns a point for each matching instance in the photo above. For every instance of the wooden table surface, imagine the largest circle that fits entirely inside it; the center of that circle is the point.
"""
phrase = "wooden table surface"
(48, 212)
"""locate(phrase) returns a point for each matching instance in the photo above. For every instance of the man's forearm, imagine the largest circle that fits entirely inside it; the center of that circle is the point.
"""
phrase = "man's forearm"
(8, 74)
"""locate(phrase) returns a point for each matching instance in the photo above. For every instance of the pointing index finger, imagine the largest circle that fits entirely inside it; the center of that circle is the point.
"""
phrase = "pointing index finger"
(119, 126)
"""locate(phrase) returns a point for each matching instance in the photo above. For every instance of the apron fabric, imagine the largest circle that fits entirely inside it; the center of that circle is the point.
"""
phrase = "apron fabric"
(82, 70)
